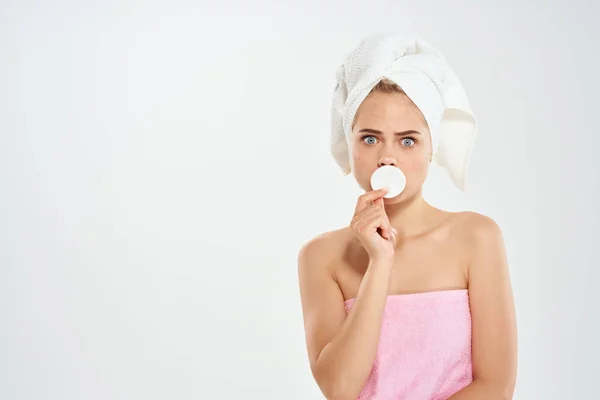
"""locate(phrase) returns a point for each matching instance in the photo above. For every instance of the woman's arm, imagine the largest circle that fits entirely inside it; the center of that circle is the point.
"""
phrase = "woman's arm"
(494, 341)
(341, 350)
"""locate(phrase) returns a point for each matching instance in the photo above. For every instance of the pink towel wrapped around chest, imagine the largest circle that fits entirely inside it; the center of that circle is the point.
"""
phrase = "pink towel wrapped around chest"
(424, 350)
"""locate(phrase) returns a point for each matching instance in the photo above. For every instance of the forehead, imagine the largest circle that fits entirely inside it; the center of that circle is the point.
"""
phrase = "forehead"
(393, 111)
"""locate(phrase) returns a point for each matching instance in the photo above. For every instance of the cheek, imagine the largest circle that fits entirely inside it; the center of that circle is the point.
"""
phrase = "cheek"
(361, 166)
(359, 158)
(415, 164)
(362, 170)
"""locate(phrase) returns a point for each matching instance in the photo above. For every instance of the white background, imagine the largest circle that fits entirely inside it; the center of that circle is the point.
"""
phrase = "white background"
(161, 163)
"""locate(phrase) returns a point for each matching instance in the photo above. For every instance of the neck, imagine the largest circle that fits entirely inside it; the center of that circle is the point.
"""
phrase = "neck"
(411, 216)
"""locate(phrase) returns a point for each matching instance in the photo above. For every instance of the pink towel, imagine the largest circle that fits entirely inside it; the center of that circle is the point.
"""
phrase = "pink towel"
(424, 351)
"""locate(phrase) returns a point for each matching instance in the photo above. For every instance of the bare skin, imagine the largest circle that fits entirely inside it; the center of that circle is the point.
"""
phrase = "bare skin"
(432, 260)
(412, 248)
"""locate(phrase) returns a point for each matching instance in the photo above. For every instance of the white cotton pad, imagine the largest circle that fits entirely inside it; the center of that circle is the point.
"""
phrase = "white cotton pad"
(389, 176)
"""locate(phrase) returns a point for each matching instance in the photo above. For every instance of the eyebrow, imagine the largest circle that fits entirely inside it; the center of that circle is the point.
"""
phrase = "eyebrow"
(376, 132)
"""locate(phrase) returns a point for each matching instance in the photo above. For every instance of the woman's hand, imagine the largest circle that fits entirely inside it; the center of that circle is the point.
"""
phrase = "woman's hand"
(371, 225)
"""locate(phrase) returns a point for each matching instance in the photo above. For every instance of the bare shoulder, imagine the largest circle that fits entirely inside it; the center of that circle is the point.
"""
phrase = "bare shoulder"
(476, 227)
(484, 243)
(321, 250)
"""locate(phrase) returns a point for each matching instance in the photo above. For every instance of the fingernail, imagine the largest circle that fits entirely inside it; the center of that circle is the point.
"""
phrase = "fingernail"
(395, 231)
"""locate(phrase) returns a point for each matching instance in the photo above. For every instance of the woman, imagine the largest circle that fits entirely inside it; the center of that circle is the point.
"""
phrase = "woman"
(408, 301)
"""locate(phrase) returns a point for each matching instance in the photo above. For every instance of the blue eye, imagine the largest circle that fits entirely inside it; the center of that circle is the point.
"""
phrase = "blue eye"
(408, 141)
(369, 139)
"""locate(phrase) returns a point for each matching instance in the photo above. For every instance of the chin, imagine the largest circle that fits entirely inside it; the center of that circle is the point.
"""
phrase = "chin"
(402, 197)
(398, 199)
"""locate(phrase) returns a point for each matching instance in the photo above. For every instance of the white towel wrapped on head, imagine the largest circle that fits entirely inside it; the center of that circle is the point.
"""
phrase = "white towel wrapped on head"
(424, 75)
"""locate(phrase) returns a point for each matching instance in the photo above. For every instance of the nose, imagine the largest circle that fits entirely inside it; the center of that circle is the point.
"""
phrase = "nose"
(387, 160)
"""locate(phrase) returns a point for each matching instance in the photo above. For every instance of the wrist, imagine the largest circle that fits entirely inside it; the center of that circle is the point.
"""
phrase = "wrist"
(385, 263)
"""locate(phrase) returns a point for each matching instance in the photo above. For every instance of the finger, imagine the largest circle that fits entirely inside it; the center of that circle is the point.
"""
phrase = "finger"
(378, 222)
(385, 228)
(379, 202)
(374, 194)
(371, 211)
(380, 208)
(364, 215)
(376, 217)
(385, 225)
(369, 206)
(368, 197)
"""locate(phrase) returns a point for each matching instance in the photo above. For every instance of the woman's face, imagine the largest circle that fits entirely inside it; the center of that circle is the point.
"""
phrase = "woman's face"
(390, 130)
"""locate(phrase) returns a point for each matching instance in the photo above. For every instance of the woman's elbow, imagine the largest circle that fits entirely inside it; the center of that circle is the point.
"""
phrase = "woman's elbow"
(339, 392)
(335, 387)
(500, 390)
